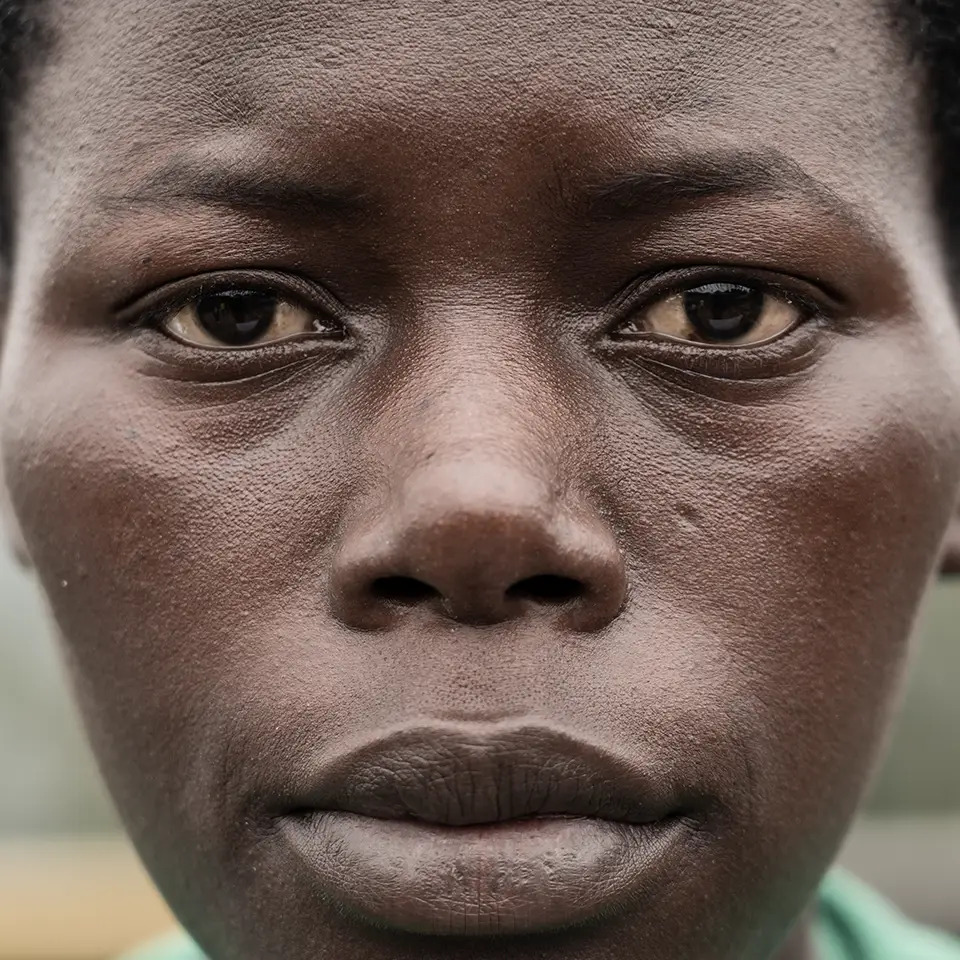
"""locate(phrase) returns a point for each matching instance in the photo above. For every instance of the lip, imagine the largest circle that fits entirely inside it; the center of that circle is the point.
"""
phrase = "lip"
(474, 830)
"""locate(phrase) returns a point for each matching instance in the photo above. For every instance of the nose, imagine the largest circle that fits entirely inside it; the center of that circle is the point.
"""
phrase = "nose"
(479, 543)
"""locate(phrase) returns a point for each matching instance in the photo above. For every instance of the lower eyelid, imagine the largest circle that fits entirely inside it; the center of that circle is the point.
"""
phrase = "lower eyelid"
(799, 346)
(247, 348)
(168, 358)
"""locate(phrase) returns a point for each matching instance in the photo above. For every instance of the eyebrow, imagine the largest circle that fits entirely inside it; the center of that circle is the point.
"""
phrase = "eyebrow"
(254, 188)
(652, 191)
(658, 190)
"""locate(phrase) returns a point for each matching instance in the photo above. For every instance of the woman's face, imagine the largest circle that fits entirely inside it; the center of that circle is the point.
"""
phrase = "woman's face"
(484, 460)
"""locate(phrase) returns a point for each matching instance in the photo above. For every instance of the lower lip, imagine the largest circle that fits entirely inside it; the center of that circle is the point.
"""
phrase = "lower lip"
(516, 877)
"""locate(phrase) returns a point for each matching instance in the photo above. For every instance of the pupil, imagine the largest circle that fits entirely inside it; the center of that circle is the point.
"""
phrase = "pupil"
(723, 311)
(236, 317)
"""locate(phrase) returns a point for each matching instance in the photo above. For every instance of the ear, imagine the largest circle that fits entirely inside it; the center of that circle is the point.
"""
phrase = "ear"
(950, 563)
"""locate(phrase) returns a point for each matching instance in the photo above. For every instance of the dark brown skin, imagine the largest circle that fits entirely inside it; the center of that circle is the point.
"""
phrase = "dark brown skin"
(744, 534)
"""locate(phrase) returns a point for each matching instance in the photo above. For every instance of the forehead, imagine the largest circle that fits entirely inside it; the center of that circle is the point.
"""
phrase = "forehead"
(356, 89)
(228, 57)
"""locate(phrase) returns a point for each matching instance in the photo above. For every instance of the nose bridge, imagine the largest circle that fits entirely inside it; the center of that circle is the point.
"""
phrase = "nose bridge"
(483, 438)
(478, 427)
(479, 518)
(477, 384)
(485, 384)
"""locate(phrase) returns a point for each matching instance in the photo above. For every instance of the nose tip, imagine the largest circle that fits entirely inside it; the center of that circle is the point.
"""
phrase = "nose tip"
(484, 547)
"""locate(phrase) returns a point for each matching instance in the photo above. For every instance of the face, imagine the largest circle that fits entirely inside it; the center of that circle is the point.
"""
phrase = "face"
(484, 469)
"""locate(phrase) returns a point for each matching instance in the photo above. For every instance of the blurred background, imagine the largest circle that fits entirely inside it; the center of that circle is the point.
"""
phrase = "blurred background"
(71, 888)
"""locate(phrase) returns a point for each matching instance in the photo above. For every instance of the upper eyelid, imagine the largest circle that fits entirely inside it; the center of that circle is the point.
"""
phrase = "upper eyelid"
(655, 286)
(175, 294)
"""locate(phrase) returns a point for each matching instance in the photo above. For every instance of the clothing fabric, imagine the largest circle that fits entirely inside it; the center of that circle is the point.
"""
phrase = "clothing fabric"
(853, 923)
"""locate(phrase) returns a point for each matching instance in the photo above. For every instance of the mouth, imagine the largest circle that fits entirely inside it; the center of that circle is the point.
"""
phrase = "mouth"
(474, 830)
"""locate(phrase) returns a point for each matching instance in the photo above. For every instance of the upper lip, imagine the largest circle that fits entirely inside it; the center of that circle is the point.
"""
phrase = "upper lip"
(467, 775)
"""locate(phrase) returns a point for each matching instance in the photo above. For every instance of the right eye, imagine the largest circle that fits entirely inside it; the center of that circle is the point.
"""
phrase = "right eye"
(242, 318)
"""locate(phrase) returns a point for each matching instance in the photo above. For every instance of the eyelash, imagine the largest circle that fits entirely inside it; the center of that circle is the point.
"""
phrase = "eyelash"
(151, 309)
(812, 299)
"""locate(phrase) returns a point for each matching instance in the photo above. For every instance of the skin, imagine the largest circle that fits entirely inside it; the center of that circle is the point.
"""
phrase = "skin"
(749, 532)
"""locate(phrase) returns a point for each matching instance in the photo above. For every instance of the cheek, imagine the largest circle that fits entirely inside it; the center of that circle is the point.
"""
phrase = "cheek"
(778, 551)
(791, 540)
(168, 551)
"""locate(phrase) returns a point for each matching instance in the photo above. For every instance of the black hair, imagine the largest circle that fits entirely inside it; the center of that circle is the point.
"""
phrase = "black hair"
(22, 38)
(933, 28)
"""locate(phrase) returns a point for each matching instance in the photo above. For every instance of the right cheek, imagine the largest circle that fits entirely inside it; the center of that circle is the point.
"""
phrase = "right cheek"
(153, 535)
(98, 487)
(98, 529)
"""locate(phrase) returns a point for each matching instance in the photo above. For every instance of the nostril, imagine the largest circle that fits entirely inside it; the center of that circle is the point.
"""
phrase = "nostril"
(405, 591)
(547, 589)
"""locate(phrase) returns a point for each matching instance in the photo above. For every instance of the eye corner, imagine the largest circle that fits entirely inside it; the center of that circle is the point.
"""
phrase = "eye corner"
(625, 330)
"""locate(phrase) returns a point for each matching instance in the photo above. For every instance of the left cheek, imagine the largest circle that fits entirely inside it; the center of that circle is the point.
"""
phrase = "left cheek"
(834, 548)
(796, 537)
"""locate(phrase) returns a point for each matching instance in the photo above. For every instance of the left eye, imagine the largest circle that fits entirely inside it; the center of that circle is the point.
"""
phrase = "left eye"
(717, 314)
(241, 318)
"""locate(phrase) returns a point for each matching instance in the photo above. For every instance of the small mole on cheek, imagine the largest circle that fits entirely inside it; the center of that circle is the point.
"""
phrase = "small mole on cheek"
(689, 515)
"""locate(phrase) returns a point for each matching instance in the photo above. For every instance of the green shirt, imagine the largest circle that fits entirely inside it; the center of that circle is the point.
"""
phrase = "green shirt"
(854, 923)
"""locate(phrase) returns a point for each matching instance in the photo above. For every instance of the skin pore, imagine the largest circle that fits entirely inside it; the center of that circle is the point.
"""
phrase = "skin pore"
(480, 515)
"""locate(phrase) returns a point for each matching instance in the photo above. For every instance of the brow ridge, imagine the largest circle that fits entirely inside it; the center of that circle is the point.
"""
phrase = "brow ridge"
(660, 189)
(255, 188)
